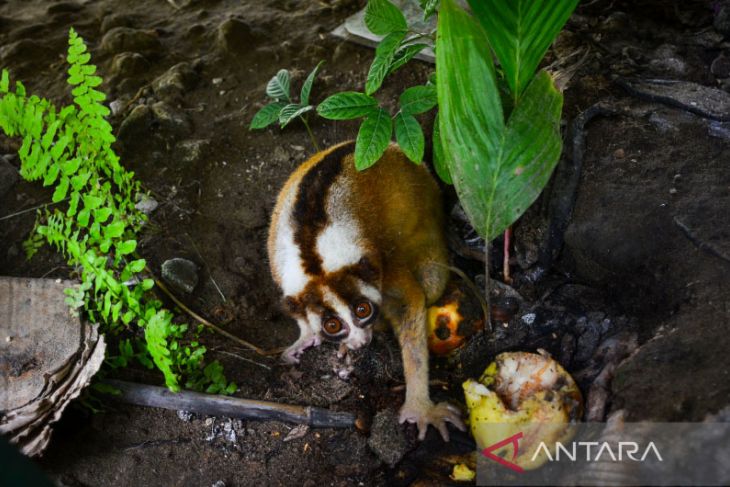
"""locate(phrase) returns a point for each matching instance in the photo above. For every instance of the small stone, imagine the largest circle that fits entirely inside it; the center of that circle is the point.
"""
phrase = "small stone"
(387, 439)
(8, 176)
(129, 64)
(181, 274)
(136, 124)
(661, 123)
(186, 416)
(8, 339)
(529, 318)
(218, 483)
(673, 191)
(720, 67)
(175, 81)
(217, 81)
(116, 107)
(121, 39)
(619, 154)
(146, 203)
(720, 130)
(236, 36)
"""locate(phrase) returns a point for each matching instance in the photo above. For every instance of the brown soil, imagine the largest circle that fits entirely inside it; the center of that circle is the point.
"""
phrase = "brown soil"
(629, 264)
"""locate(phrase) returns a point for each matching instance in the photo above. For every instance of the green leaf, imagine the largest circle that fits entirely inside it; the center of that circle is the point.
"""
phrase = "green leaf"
(498, 169)
(137, 265)
(418, 99)
(92, 202)
(382, 17)
(267, 115)
(347, 105)
(290, 112)
(520, 32)
(126, 247)
(405, 54)
(61, 190)
(307, 86)
(439, 159)
(384, 55)
(114, 230)
(4, 81)
(51, 175)
(372, 139)
(278, 87)
(409, 135)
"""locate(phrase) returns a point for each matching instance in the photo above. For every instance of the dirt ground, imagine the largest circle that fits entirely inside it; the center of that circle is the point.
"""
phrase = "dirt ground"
(645, 254)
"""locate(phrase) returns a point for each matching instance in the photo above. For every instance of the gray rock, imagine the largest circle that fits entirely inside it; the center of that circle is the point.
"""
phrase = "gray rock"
(721, 66)
(116, 20)
(169, 120)
(137, 123)
(63, 8)
(121, 39)
(128, 64)
(8, 176)
(235, 36)
(720, 130)
(176, 81)
(146, 204)
(387, 439)
(181, 274)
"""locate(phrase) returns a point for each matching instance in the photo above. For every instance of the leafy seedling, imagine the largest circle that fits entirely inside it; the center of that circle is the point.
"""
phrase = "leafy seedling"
(283, 109)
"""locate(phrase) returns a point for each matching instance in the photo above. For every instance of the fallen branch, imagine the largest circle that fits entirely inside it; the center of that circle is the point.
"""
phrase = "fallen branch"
(699, 243)
(231, 407)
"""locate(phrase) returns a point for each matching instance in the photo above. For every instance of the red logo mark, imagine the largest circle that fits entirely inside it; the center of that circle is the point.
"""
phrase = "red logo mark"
(487, 452)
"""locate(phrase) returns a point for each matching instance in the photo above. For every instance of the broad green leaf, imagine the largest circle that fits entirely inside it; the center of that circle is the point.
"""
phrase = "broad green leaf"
(382, 17)
(384, 55)
(137, 265)
(114, 230)
(267, 115)
(278, 87)
(307, 86)
(520, 32)
(498, 169)
(404, 55)
(292, 111)
(418, 99)
(439, 159)
(372, 139)
(409, 136)
(347, 105)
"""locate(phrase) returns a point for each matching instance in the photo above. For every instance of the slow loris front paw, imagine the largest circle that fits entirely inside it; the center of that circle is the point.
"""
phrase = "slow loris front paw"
(292, 354)
(425, 412)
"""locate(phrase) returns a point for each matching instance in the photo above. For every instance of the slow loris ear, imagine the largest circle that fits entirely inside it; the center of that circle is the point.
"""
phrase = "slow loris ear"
(367, 270)
(292, 306)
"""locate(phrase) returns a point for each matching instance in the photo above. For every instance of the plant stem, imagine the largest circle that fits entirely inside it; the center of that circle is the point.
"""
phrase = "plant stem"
(487, 248)
(205, 322)
(22, 212)
(311, 135)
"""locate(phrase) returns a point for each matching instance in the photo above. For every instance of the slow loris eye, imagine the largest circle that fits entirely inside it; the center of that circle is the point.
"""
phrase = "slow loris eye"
(332, 326)
(364, 310)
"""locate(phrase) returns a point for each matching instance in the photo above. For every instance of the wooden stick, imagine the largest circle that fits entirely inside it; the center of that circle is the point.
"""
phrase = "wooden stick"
(231, 407)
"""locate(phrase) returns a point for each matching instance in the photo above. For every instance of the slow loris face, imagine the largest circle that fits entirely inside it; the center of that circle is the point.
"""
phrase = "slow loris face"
(340, 307)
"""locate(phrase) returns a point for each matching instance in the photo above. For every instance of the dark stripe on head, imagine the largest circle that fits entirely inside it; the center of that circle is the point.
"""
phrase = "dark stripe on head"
(310, 213)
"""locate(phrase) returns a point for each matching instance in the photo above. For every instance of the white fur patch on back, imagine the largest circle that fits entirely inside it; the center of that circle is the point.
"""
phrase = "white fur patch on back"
(287, 260)
(339, 246)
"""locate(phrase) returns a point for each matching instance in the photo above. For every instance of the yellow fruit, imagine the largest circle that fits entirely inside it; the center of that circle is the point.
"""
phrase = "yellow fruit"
(524, 394)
